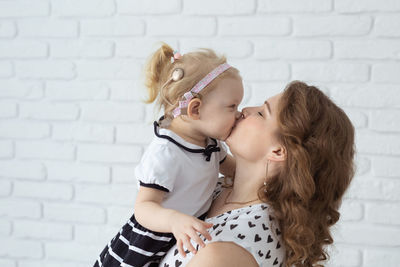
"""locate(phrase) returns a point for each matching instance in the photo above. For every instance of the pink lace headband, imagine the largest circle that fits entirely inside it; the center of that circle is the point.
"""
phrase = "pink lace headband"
(199, 86)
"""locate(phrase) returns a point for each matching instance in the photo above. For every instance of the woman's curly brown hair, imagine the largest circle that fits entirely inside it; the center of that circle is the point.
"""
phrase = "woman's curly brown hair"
(307, 193)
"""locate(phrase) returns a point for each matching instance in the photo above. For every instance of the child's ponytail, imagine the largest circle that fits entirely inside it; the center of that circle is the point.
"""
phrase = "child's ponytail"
(156, 69)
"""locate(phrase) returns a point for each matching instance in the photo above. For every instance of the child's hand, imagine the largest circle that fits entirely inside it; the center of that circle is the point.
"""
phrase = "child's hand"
(184, 228)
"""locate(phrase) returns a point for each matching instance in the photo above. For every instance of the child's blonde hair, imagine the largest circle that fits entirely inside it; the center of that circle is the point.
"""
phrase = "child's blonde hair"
(195, 65)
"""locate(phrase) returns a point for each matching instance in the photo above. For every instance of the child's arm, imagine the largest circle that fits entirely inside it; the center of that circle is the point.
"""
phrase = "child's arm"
(150, 214)
(227, 167)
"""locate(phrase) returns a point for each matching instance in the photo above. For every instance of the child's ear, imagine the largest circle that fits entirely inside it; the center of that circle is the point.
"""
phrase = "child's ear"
(193, 109)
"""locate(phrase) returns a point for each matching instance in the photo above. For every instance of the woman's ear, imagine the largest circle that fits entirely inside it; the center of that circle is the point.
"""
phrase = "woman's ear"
(193, 109)
(277, 153)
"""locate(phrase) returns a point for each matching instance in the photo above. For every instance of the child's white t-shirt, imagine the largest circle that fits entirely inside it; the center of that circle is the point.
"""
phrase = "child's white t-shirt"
(187, 172)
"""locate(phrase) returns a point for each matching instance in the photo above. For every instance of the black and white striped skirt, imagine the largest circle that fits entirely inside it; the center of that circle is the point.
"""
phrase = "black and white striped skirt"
(136, 246)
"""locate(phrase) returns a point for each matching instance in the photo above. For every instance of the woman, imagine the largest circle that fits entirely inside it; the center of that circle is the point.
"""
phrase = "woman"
(294, 161)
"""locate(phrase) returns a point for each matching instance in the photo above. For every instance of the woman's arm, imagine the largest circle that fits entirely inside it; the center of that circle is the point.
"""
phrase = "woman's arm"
(222, 254)
(227, 167)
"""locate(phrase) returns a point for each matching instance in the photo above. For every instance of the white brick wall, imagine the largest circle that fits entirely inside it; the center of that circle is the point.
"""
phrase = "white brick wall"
(73, 127)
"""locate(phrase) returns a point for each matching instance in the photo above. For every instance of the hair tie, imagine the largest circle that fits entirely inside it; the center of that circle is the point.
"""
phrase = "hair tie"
(176, 56)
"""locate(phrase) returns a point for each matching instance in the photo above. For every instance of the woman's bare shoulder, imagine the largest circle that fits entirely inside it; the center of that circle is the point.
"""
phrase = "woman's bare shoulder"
(221, 254)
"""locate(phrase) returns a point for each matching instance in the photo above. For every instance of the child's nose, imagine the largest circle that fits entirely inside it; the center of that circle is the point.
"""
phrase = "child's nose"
(238, 115)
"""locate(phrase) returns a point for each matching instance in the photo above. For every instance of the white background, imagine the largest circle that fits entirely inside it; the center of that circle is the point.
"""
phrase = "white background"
(73, 127)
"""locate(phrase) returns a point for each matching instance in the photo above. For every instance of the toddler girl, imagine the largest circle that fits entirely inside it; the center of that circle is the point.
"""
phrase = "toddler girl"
(199, 94)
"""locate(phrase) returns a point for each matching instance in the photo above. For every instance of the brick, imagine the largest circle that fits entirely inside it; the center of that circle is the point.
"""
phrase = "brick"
(375, 189)
(123, 26)
(49, 111)
(21, 248)
(6, 149)
(365, 188)
(42, 230)
(5, 228)
(387, 25)
(391, 189)
(135, 133)
(7, 29)
(6, 69)
(362, 164)
(74, 213)
(8, 109)
(386, 72)
(83, 132)
(122, 174)
(384, 213)
(228, 7)
(261, 91)
(111, 194)
(77, 172)
(366, 95)
(377, 143)
(112, 112)
(22, 169)
(385, 120)
(21, 89)
(8, 263)
(230, 47)
(344, 256)
(109, 153)
(95, 234)
(263, 71)
(386, 167)
(376, 49)
(77, 90)
(43, 190)
(294, 6)
(242, 26)
(51, 28)
(137, 7)
(117, 216)
(24, 129)
(335, 25)
(5, 188)
(366, 5)
(358, 118)
(330, 72)
(51, 263)
(24, 8)
(181, 26)
(300, 49)
(20, 209)
(81, 49)
(354, 233)
(351, 211)
(45, 150)
(142, 47)
(71, 251)
(21, 50)
(87, 8)
(109, 69)
(45, 69)
(127, 90)
(390, 257)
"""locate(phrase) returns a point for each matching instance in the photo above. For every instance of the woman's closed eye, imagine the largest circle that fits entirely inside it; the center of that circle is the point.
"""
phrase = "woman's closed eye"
(259, 113)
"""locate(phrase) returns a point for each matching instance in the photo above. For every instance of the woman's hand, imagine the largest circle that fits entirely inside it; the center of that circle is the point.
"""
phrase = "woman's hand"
(184, 228)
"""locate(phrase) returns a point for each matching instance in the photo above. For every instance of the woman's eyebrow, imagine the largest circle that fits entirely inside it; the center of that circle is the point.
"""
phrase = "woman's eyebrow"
(268, 107)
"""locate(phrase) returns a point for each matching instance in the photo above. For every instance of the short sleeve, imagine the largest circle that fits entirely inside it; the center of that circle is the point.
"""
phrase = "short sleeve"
(158, 168)
(254, 236)
(223, 152)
